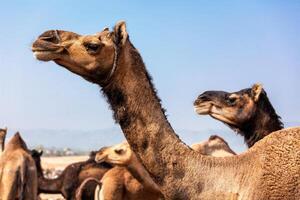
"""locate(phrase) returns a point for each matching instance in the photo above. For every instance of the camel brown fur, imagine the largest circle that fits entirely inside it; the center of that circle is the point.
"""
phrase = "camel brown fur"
(248, 112)
(2, 139)
(18, 175)
(122, 155)
(269, 170)
(214, 146)
(71, 178)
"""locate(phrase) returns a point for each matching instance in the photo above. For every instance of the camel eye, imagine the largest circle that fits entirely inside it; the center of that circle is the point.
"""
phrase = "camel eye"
(119, 151)
(92, 47)
(231, 100)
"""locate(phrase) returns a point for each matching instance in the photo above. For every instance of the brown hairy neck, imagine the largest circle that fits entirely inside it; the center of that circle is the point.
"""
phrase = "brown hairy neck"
(138, 111)
(51, 186)
(264, 122)
(139, 172)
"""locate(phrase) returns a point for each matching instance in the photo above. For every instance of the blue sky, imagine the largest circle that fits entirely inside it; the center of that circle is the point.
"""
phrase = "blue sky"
(188, 47)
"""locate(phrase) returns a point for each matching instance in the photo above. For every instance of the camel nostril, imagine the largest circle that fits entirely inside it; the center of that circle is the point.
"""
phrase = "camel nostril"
(50, 36)
(203, 97)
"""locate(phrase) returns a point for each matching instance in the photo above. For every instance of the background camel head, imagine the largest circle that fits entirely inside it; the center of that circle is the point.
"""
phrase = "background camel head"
(36, 155)
(3, 132)
(2, 138)
(91, 56)
(234, 108)
(119, 154)
(214, 146)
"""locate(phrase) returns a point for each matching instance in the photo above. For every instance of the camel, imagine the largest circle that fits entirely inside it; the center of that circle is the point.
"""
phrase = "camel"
(134, 180)
(18, 176)
(2, 139)
(268, 170)
(214, 146)
(71, 178)
(249, 112)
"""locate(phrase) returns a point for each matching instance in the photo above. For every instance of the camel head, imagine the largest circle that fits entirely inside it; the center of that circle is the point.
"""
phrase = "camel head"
(119, 154)
(234, 109)
(3, 132)
(36, 155)
(214, 146)
(94, 57)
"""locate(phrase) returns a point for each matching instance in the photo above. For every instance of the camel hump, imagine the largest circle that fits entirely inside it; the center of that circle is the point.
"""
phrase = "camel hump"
(16, 142)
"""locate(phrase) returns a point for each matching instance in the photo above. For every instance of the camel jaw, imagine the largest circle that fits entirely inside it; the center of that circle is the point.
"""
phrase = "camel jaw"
(101, 158)
(44, 55)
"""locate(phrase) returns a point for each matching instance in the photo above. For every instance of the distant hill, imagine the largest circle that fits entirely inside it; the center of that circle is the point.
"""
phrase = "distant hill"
(83, 140)
(75, 139)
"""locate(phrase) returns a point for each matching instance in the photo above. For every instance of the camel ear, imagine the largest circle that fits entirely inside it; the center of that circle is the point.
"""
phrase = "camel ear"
(40, 152)
(105, 29)
(256, 90)
(121, 34)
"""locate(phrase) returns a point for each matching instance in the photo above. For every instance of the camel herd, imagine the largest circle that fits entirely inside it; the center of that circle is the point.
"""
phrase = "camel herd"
(153, 163)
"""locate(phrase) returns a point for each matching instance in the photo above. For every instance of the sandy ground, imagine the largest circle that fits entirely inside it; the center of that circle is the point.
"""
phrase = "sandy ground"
(58, 163)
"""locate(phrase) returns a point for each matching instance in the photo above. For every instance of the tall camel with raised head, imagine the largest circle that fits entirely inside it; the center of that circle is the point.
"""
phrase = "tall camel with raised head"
(248, 112)
(18, 176)
(269, 170)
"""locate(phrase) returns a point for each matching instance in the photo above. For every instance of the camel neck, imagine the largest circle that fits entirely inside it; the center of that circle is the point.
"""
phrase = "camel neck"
(261, 125)
(138, 110)
(140, 173)
(51, 186)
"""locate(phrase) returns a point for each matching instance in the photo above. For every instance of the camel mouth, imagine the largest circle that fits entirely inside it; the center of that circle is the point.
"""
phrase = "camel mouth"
(46, 51)
(214, 110)
(100, 158)
(203, 108)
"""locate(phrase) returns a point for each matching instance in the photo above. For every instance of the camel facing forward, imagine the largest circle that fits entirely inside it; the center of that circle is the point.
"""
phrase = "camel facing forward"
(269, 170)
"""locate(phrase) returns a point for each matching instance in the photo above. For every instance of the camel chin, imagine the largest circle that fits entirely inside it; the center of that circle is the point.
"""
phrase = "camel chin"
(44, 55)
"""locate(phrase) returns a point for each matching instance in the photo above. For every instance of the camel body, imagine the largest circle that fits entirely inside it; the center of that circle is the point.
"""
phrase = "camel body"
(18, 175)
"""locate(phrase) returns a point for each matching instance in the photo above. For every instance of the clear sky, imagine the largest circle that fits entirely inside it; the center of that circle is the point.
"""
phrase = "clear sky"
(188, 47)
